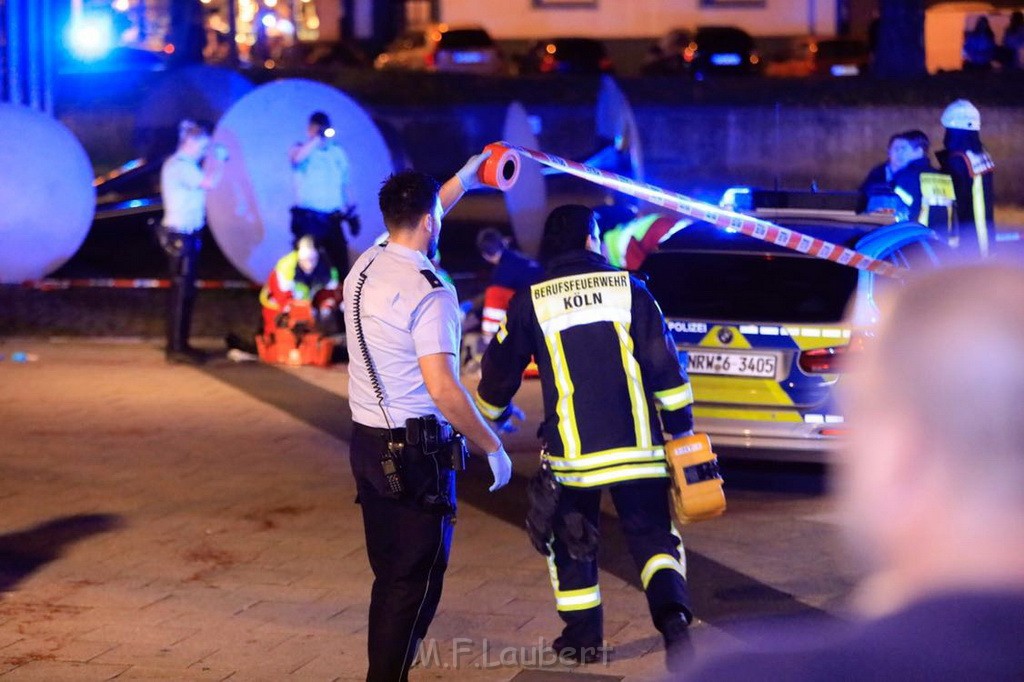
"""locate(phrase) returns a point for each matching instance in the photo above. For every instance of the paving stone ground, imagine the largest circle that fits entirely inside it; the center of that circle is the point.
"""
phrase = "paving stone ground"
(160, 523)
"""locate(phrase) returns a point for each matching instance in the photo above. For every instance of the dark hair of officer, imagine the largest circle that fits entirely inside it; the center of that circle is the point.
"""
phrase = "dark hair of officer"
(319, 118)
(917, 139)
(566, 229)
(405, 197)
(490, 242)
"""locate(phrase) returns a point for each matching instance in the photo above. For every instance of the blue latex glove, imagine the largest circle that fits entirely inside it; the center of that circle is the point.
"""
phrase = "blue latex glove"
(506, 425)
(501, 468)
(468, 175)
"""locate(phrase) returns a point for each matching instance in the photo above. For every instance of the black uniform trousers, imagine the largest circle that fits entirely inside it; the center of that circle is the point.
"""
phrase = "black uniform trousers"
(182, 249)
(325, 229)
(408, 548)
(646, 521)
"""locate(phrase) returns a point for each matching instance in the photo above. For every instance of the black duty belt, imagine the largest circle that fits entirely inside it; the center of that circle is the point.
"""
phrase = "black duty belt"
(392, 435)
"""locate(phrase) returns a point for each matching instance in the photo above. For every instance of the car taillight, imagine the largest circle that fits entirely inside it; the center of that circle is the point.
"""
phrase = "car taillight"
(430, 59)
(547, 64)
(829, 360)
(605, 64)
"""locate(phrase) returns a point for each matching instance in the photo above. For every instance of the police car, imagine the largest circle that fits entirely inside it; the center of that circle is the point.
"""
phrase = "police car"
(763, 330)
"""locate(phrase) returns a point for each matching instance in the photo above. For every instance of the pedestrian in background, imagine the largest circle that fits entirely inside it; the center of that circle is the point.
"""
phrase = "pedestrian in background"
(185, 178)
(979, 46)
(320, 174)
(406, 397)
(931, 493)
(611, 381)
(1013, 42)
(966, 161)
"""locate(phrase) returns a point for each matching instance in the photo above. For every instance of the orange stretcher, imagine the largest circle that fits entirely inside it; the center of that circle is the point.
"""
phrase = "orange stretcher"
(296, 342)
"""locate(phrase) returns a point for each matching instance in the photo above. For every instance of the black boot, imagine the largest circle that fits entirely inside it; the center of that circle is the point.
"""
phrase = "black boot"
(568, 650)
(675, 630)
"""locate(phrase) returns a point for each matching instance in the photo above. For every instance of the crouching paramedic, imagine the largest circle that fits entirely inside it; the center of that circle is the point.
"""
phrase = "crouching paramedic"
(607, 368)
(301, 275)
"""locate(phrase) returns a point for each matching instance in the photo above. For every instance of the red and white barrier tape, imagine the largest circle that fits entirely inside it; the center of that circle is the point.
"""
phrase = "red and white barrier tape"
(730, 220)
(112, 283)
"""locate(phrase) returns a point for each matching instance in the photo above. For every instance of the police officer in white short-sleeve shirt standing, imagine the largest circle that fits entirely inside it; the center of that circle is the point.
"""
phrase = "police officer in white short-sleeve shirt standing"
(320, 174)
(183, 187)
(406, 399)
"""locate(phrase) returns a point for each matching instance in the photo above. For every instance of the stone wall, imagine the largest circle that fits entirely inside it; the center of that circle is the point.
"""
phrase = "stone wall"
(689, 145)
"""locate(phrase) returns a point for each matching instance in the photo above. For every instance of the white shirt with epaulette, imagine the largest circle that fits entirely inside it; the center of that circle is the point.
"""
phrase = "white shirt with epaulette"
(406, 312)
(183, 195)
(319, 178)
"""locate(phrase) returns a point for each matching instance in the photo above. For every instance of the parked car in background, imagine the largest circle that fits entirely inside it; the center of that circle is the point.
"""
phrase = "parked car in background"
(324, 54)
(440, 47)
(566, 55)
(710, 50)
(821, 57)
(764, 330)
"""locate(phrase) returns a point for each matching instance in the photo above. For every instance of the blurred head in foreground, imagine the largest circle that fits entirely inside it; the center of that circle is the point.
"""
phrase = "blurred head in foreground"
(932, 488)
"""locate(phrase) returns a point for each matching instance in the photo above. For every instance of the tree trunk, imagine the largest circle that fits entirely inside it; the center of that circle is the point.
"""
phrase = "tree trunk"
(900, 49)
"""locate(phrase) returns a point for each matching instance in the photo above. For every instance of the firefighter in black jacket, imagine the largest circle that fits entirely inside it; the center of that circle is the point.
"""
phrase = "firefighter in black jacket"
(607, 368)
(972, 169)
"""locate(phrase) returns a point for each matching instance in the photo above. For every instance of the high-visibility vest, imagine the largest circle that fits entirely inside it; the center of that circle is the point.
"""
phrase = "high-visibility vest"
(937, 191)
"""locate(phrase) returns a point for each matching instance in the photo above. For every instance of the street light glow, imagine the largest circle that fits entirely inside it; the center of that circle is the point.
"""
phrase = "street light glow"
(90, 36)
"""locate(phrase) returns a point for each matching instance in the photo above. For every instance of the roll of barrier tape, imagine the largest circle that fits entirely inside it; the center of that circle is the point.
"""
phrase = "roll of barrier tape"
(719, 217)
(501, 169)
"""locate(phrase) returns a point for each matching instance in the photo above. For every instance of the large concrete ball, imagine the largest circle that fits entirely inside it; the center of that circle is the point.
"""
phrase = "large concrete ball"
(47, 200)
(200, 93)
(248, 212)
(527, 199)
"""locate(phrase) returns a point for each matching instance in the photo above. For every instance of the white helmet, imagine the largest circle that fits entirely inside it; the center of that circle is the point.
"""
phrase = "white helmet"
(961, 115)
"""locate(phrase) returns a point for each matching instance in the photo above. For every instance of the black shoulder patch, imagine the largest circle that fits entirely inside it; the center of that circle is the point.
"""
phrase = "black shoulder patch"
(434, 280)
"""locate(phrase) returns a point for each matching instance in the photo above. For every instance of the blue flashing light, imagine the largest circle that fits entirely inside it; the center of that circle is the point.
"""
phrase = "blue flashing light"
(91, 36)
(269, 20)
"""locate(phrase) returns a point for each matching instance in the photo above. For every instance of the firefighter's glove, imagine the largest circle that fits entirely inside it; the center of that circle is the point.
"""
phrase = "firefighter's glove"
(505, 423)
(542, 492)
(578, 534)
(501, 468)
(468, 174)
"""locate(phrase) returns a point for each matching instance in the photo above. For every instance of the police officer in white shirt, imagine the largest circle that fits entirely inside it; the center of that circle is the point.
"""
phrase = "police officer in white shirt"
(320, 173)
(406, 399)
(183, 186)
